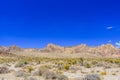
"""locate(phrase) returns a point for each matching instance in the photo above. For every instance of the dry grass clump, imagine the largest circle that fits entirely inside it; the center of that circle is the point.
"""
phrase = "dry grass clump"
(58, 71)
(66, 66)
(39, 72)
(113, 73)
(19, 73)
(92, 77)
(93, 62)
(73, 69)
(103, 73)
(87, 65)
(21, 64)
(4, 70)
(62, 77)
(50, 75)
(7, 60)
(30, 69)
(30, 78)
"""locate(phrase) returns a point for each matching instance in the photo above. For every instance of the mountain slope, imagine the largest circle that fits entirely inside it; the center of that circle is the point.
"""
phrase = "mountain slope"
(107, 50)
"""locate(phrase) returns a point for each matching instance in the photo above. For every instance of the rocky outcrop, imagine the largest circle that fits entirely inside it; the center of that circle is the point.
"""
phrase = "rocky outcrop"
(103, 50)
(14, 48)
(4, 52)
(107, 50)
(3, 49)
(53, 48)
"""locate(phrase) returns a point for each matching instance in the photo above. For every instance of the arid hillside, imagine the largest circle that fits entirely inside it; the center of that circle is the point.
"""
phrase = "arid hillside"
(82, 50)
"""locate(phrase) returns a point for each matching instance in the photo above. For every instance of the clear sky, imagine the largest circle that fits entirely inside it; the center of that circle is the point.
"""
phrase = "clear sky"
(35, 23)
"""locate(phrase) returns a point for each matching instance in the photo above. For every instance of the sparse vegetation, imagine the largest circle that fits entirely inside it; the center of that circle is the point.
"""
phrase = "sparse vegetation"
(92, 77)
(21, 63)
(54, 68)
(4, 70)
(19, 73)
(87, 65)
(103, 73)
(50, 75)
(66, 66)
(30, 78)
(62, 77)
(30, 68)
(39, 72)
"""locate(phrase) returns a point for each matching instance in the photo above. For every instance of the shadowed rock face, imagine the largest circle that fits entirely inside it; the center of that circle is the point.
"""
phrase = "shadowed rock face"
(107, 50)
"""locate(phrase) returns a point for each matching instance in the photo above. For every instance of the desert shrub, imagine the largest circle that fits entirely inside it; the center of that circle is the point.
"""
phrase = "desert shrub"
(87, 65)
(62, 77)
(47, 66)
(4, 70)
(42, 70)
(59, 72)
(19, 73)
(59, 63)
(111, 60)
(35, 73)
(30, 68)
(73, 69)
(39, 72)
(21, 64)
(107, 66)
(81, 60)
(50, 75)
(117, 61)
(2, 79)
(94, 62)
(74, 61)
(113, 73)
(38, 62)
(60, 67)
(92, 77)
(103, 73)
(30, 78)
(66, 66)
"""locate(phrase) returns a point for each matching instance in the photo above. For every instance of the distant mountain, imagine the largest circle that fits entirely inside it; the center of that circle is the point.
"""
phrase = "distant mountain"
(107, 50)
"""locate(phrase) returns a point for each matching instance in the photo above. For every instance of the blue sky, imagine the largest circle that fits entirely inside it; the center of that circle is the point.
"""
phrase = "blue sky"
(35, 23)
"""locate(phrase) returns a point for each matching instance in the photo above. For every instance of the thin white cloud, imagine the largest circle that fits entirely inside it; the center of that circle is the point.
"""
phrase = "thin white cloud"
(117, 44)
(110, 27)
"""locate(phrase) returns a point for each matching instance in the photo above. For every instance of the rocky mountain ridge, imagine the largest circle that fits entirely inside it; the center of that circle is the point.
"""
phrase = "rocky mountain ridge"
(107, 50)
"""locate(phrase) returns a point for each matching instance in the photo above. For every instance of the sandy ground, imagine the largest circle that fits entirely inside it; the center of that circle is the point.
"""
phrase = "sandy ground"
(74, 76)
